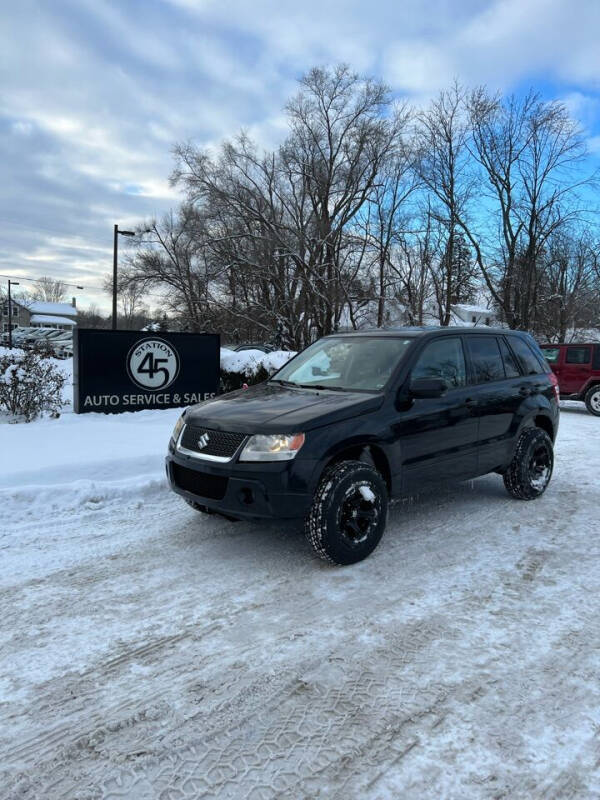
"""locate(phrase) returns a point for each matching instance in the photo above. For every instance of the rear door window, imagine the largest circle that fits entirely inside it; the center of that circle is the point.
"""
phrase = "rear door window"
(529, 361)
(486, 359)
(578, 355)
(596, 362)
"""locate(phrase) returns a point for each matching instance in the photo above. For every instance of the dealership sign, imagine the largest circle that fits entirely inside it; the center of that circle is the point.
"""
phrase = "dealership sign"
(129, 371)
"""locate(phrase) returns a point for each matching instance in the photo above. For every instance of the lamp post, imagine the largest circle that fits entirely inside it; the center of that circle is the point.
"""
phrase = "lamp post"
(114, 292)
(10, 283)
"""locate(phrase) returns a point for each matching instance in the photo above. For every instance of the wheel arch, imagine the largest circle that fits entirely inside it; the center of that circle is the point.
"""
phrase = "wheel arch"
(591, 384)
(545, 423)
(367, 451)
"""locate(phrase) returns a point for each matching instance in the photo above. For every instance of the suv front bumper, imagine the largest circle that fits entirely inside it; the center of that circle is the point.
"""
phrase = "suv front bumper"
(247, 490)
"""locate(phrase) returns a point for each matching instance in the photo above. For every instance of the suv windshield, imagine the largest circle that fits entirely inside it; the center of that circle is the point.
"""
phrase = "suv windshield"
(349, 363)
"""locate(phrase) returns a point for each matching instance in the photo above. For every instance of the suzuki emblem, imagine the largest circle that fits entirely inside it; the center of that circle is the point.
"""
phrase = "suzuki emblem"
(203, 441)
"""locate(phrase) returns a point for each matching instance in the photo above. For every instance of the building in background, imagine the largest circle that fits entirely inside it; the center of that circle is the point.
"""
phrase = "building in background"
(38, 314)
(473, 315)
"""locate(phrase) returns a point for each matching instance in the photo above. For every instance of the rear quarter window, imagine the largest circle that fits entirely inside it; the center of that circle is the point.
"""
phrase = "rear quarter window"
(511, 365)
(530, 362)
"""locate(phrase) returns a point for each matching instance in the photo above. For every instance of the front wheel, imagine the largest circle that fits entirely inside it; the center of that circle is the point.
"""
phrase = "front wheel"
(592, 400)
(530, 470)
(348, 514)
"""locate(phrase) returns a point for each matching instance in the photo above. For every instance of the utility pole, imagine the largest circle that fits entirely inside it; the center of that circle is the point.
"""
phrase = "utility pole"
(10, 283)
(114, 291)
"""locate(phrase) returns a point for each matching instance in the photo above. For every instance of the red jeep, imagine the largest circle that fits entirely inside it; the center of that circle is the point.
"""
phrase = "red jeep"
(577, 367)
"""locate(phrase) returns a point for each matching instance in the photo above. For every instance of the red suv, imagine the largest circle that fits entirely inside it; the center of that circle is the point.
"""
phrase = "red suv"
(577, 367)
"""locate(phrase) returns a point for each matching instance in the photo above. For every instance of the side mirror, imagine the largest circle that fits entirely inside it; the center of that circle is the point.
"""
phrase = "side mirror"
(318, 371)
(427, 388)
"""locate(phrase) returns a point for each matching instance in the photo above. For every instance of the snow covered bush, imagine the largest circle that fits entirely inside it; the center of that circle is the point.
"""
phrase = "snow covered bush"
(30, 385)
(249, 366)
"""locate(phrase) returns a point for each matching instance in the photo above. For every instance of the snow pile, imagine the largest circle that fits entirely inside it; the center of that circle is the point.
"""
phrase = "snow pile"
(83, 461)
(276, 360)
(249, 362)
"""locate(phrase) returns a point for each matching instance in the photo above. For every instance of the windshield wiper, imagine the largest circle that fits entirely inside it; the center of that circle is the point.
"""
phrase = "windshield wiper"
(321, 386)
(283, 383)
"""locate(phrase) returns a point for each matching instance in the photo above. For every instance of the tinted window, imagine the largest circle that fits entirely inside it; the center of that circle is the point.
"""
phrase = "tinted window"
(551, 354)
(486, 360)
(578, 355)
(596, 364)
(443, 358)
(529, 361)
(511, 365)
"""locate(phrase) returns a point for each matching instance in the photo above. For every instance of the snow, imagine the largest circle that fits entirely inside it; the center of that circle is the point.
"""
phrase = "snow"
(474, 309)
(250, 361)
(41, 307)
(150, 651)
(47, 319)
(367, 494)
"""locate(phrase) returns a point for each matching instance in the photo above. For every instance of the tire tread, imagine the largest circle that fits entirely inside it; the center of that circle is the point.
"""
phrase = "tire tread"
(316, 524)
(514, 478)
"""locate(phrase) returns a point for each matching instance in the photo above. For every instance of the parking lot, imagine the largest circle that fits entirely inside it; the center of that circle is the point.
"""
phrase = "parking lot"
(150, 652)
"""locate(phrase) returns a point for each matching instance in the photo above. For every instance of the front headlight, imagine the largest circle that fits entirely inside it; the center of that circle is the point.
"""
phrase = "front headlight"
(177, 429)
(278, 447)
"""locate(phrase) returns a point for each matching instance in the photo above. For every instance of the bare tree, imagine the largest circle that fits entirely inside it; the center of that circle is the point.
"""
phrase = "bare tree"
(340, 142)
(49, 290)
(388, 219)
(528, 150)
(285, 218)
(171, 254)
(569, 286)
(445, 169)
(368, 213)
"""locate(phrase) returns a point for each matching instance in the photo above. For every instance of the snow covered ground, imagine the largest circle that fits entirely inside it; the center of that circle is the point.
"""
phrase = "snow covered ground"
(149, 652)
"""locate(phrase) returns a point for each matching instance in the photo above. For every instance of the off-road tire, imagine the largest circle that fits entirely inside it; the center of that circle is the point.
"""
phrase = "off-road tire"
(523, 479)
(329, 517)
(592, 400)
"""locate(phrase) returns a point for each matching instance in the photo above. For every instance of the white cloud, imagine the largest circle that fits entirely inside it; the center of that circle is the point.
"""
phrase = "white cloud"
(97, 93)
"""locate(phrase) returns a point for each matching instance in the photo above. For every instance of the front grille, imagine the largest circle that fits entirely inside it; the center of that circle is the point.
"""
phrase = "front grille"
(221, 444)
(200, 483)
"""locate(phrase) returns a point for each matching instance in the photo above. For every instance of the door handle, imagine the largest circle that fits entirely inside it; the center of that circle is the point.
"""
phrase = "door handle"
(524, 391)
(470, 402)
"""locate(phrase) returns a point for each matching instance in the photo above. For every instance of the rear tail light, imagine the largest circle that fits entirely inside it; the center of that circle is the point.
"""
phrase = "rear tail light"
(555, 386)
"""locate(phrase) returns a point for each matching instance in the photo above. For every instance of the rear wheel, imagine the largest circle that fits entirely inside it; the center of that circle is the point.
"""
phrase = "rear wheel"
(530, 470)
(348, 515)
(592, 400)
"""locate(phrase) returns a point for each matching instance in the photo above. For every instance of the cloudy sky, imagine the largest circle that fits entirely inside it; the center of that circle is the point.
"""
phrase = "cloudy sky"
(94, 94)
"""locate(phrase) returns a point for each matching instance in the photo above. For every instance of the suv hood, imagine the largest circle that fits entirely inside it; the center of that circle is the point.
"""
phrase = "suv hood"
(272, 408)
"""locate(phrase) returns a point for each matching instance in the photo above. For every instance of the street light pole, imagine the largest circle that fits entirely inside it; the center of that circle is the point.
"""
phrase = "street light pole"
(10, 283)
(114, 291)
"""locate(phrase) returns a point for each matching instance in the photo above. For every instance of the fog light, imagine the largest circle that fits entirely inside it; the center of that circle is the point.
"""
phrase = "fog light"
(246, 496)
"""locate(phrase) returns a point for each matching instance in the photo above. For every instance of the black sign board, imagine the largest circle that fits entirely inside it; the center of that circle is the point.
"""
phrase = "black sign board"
(116, 371)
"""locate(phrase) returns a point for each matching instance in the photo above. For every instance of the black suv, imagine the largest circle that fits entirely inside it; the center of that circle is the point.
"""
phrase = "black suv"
(359, 418)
